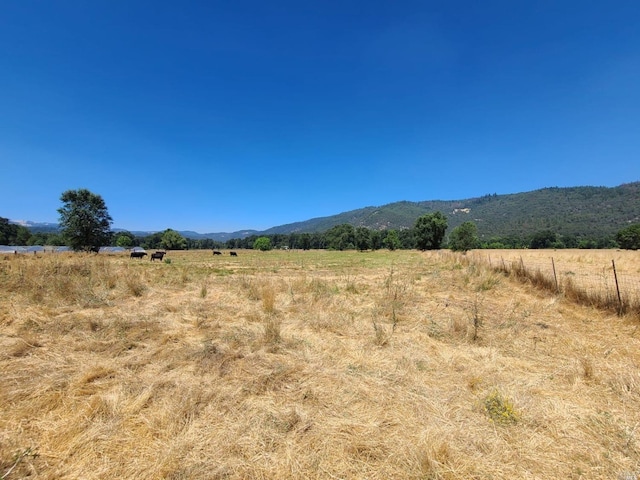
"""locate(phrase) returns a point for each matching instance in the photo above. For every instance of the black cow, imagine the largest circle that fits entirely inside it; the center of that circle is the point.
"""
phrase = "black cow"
(216, 252)
(157, 255)
(233, 254)
(138, 254)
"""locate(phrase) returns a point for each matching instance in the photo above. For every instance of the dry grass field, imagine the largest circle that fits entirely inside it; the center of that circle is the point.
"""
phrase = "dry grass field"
(310, 365)
(604, 278)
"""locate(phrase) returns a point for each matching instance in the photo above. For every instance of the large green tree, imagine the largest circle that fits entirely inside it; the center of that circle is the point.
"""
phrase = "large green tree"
(429, 231)
(464, 237)
(392, 240)
(341, 237)
(262, 244)
(305, 241)
(172, 240)
(543, 239)
(363, 238)
(12, 234)
(84, 220)
(124, 239)
(629, 237)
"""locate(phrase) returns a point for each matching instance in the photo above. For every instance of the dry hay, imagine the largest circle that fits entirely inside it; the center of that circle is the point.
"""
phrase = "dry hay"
(307, 365)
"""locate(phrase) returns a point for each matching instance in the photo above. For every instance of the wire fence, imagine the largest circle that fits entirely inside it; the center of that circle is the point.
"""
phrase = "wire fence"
(605, 285)
(35, 249)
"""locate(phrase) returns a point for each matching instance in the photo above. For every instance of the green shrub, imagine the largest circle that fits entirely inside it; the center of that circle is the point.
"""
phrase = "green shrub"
(499, 409)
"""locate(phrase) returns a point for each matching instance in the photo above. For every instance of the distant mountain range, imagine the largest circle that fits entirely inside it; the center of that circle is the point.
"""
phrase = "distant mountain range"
(47, 227)
(594, 212)
(581, 211)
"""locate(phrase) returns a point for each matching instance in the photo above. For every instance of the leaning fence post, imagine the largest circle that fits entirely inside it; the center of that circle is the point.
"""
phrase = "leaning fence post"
(555, 277)
(615, 275)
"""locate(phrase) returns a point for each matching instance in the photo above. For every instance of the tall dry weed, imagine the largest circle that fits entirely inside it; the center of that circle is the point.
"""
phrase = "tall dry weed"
(250, 285)
(382, 334)
(272, 326)
(135, 284)
(435, 460)
(474, 312)
(268, 294)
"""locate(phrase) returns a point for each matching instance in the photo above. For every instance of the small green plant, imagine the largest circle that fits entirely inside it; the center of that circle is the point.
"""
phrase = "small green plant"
(500, 409)
(167, 261)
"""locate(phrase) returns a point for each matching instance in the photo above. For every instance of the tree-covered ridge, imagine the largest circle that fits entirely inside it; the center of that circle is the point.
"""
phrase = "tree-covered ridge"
(586, 217)
(594, 212)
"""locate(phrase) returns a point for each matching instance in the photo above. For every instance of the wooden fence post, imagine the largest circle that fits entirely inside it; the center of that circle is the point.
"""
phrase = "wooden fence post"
(615, 275)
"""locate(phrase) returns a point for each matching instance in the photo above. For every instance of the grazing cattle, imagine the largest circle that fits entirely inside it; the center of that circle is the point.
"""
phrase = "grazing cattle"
(216, 252)
(233, 254)
(138, 254)
(157, 255)
(95, 249)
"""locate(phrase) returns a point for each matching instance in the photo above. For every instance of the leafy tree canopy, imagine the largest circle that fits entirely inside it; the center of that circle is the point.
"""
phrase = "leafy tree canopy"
(124, 239)
(629, 238)
(262, 243)
(429, 231)
(544, 239)
(392, 240)
(363, 238)
(341, 237)
(172, 240)
(464, 237)
(11, 234)
(84, 220)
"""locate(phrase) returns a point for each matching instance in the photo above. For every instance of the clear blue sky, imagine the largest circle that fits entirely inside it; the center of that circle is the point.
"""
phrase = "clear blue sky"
(218, 116)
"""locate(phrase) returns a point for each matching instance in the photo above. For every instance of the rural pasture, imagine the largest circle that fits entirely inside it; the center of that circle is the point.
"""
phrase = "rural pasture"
(314, 365)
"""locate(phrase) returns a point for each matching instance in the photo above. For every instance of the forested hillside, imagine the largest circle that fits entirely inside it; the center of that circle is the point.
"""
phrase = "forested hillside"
(595, 212)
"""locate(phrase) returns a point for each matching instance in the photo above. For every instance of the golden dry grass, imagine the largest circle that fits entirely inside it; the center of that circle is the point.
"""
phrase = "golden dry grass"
(607, 279)
(308, 365)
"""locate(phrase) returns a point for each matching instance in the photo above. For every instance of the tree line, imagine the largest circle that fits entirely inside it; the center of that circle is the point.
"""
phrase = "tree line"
(86, 225)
